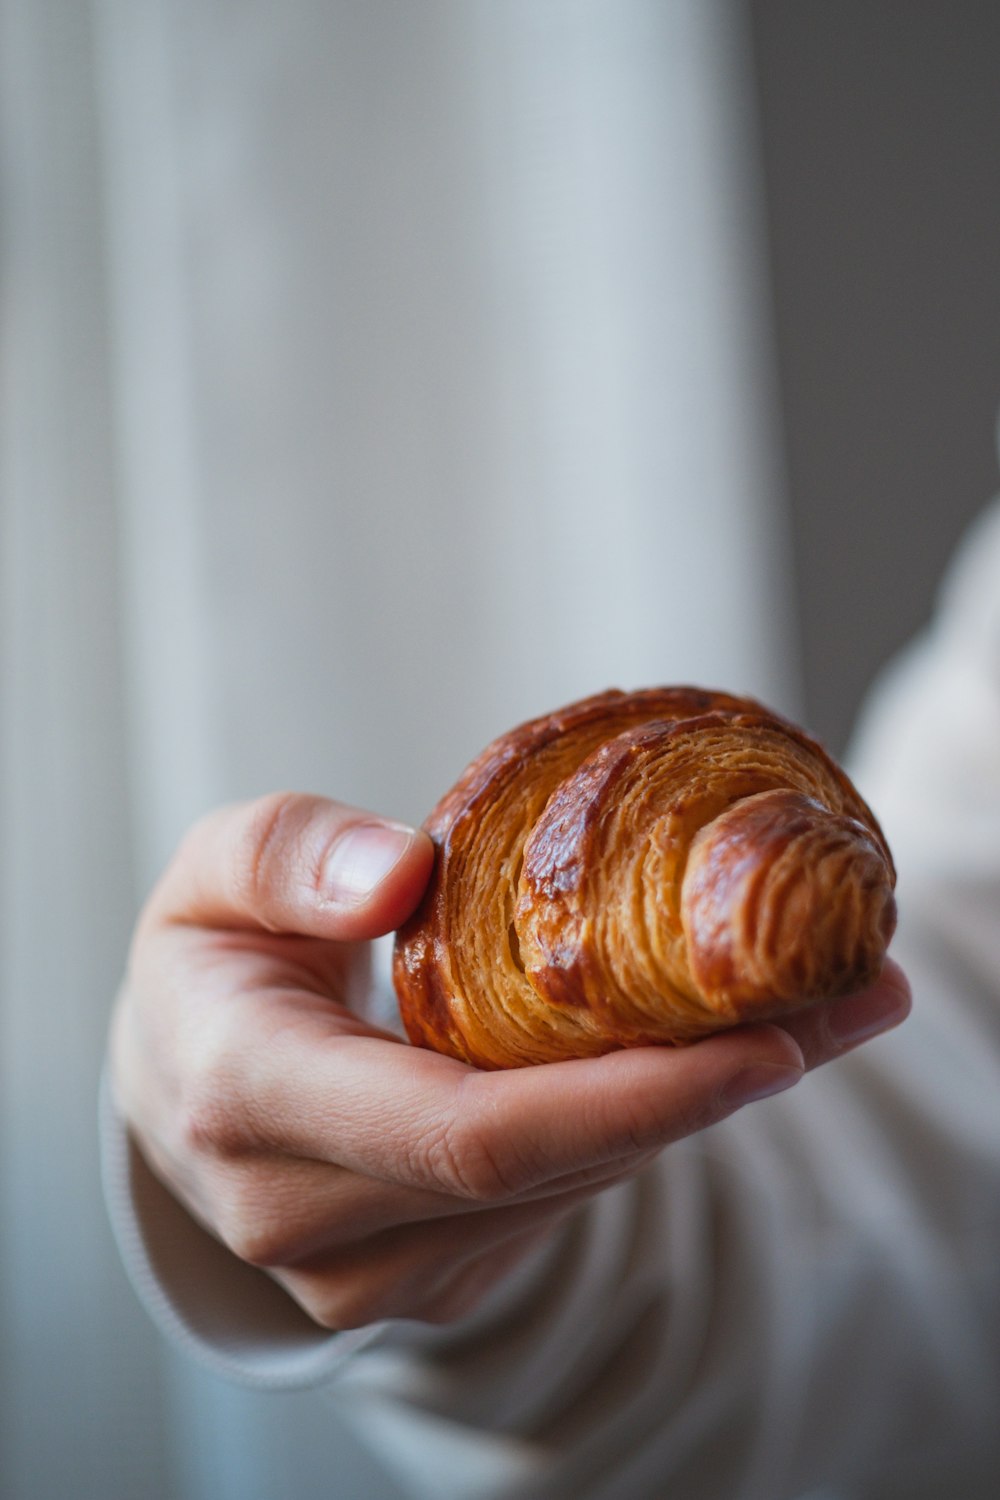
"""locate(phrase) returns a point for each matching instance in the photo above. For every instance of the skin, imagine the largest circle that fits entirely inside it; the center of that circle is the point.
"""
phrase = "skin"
(372, 1179)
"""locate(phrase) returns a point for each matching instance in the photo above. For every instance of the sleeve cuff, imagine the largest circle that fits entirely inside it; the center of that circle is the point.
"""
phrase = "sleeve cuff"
(229, 1316)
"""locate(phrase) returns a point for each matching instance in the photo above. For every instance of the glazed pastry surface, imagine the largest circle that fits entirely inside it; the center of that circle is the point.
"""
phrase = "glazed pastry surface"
(637, 868)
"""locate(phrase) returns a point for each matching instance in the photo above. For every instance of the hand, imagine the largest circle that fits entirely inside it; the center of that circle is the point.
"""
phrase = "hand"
(370, 1178)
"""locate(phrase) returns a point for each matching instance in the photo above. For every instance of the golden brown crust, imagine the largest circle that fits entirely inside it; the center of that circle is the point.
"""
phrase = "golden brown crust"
(636, 868)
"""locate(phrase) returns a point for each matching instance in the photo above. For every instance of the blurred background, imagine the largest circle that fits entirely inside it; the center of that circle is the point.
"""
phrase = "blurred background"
(373, 376)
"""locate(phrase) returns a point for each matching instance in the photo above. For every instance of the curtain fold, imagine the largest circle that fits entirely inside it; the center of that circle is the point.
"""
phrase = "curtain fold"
(81, 1390)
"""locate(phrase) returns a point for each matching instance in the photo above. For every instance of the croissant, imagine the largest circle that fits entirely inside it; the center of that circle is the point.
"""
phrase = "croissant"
(639, 868)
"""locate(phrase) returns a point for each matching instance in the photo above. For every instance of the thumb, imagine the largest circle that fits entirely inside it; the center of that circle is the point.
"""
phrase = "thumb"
(299, 864)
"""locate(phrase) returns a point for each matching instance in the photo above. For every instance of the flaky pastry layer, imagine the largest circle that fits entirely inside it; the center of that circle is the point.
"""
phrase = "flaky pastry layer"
(637, 868)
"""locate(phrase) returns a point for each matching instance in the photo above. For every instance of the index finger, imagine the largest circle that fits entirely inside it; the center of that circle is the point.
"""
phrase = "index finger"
(408, 1116)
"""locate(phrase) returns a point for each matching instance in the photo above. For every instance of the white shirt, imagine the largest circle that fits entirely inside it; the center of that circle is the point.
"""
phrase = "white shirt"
(805, 1298)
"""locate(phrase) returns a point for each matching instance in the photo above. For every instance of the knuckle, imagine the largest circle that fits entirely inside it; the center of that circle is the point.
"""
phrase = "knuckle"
(205, 1127)
(349, 1305)
(212, 1116)
(244, 1244)
(463, 1160)
(255, 1238)
(251, 1217)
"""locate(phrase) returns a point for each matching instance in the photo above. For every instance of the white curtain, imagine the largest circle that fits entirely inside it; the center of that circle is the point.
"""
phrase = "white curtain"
(373, 376)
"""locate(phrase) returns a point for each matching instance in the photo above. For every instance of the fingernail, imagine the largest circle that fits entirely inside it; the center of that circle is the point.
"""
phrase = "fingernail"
(361, 859)
(758, 1081)
(860, 1016)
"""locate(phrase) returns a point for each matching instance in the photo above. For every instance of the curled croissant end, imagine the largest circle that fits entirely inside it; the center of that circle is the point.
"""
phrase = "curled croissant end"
(638, 868)
(782, 899)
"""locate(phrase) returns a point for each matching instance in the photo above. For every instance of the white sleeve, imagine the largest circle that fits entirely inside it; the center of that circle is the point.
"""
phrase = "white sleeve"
(230, 1316)
(805, 1299)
